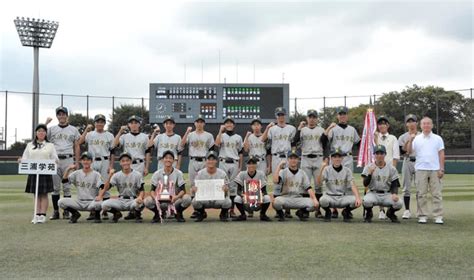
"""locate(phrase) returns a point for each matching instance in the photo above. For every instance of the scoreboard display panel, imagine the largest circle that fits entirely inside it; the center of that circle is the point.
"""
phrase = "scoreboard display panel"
(242, 102)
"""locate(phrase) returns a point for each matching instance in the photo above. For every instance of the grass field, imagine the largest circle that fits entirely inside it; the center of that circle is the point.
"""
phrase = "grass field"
(212, 249)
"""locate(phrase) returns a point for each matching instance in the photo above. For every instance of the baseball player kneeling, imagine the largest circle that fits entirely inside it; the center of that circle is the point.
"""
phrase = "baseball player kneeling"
(163, 182)
(382, 180)
(130, 186)
(341, 191)
(246, 178)
(88, 182)
(293, 184)
(208, 173)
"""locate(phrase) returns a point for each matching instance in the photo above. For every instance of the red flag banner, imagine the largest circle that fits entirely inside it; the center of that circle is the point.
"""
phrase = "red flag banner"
(367, 142)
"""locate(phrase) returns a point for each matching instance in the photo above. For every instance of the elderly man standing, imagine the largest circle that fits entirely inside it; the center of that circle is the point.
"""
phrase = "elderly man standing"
(429, 165)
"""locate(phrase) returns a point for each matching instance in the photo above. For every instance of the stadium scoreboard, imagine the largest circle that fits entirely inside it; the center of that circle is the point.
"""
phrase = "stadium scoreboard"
(242, 102)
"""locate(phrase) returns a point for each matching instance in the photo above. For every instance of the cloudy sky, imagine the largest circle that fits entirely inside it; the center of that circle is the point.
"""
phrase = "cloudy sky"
(324, 48)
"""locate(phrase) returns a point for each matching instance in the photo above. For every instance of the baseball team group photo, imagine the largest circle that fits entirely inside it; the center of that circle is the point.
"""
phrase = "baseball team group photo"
(233, 170)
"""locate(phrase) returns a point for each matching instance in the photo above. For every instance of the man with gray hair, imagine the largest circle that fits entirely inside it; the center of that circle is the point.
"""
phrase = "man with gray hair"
(428, 149)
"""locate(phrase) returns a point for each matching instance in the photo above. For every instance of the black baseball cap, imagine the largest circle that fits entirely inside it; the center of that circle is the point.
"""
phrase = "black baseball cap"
(200, 118)
(380, 149)
(252, 159)
(168, 152)
(212, 154)
(125, 154)
(280, 111)
(229, 119)
(312, 112)
(169, 118)
(86, 155)
(337, 151)
(293, 153)
(62, 109)
(411, 117)
(134, 118)
(99, 117)
(41, 125)
(382, 119)
(342, 109)
(256, 120)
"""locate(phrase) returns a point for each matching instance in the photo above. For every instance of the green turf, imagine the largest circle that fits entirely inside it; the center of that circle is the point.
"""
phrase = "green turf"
(213, 249)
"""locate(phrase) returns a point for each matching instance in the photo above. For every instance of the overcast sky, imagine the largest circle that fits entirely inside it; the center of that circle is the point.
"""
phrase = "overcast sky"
(328, 48)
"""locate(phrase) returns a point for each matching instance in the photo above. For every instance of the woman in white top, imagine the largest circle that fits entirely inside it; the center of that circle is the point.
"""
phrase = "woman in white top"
(40, 148)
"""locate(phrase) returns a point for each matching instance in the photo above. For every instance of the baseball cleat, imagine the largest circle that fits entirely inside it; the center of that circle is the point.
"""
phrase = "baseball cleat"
(439, 220)
(55, 215)
(422, 220)
(406, 214)
(382, 215)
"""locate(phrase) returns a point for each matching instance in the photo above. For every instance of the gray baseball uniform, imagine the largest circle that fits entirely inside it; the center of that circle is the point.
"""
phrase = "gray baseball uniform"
(199, 144)
(216, 204)
(229, 155)
(408, 167)
(281, 138)
(344, 139)
(63, 139)
(379, 187)
(87, 185)
(100, 145)
(174, 178)
(244, 177)
(293, 185)
(136, 146)
(258, 149)
(128, 186)
(164, 142)
(312, 153)
(338, 185)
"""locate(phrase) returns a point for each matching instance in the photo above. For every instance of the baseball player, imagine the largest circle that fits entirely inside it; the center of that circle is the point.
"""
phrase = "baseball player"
(88, 182)
(135, 143)
(382, 137)
(65, 139)
(341, 191)
(208, 173)
(292, 184)
(130, 186)
(200, 142)
(168, 141)
(344, 137)
(230, 156)
(252, 173)
(408, 167)
(99, 145)
(312, 140)
(281, 136)
(168, 175)
(254, 146)
(381, 178)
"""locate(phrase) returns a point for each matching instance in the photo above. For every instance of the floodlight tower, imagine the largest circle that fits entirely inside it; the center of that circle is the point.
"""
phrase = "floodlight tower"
(36, 33)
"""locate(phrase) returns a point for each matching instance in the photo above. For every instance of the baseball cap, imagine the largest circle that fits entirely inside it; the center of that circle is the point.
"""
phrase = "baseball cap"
(41, 125)
(312, 112)
(86, 155)
(256, 120)
(169, 118)
(280, 111)
(168, 152)
(229, 119)
(411, 117)
(380, 149)
(125, 154)
(200, 118)
(212, 154)
(135, 118)
(252, 159)
(99, 117)
(337, 151)
(342, 109)
(293, 153)
(382, 119)
(62, 109)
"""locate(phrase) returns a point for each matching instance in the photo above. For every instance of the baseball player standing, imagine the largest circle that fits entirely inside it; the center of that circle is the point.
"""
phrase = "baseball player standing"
(342, 136)
(254, 146)
(88, 182)
(168, 141)
(381, 178)
(293, 184)
(130, 186)
(281, 136)
(341, 191)
(252, 173)
(208, 173)
(65, 138)
(230, 156)
(408, 167)
(168, 175)
(99, 145)
(312, 140)
(200, 142)
(429, 165)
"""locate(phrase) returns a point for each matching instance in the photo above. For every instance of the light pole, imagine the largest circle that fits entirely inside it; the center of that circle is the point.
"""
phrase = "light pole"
(36, 33)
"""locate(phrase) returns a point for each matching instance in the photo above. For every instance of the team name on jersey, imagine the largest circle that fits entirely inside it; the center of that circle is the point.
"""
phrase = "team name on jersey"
(345, 138)
(138, 145)
(198, 144)
(170, 146)
(282, 137)
(98, 142)
(62, 136)
(311, 137)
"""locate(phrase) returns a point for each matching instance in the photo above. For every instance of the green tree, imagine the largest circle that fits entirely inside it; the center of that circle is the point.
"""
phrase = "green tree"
(18, 146)
(123, 112)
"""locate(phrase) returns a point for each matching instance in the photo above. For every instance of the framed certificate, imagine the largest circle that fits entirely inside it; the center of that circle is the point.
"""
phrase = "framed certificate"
(210, 189)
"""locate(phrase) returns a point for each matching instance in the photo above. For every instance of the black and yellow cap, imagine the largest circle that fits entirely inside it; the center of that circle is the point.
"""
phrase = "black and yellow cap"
(342, 110)
(200, 118)
(125, 154)
(212, 154)
(99, 117)
(62, 109)
(337, 152)
(380, 149)
(312, 112)
(86, 155)
(134, 118)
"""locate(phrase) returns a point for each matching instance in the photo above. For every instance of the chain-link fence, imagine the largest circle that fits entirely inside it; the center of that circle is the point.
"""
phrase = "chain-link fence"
(451, 111)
